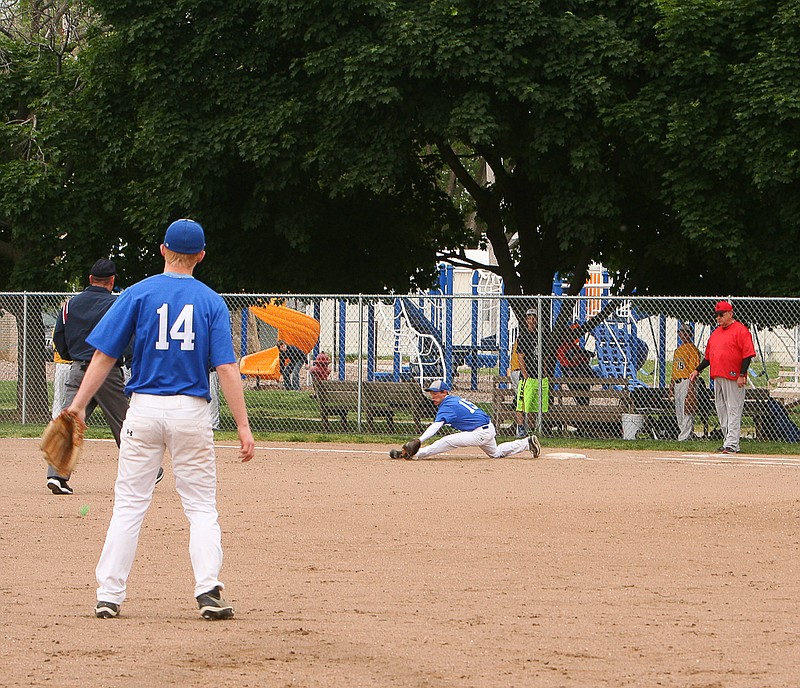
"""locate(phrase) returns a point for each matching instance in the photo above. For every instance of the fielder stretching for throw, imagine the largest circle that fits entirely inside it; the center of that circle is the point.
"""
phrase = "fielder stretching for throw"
(476, 430)
(182, 329)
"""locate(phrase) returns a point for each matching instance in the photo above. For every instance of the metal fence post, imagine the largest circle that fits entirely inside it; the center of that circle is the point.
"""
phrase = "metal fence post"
(360, 357)
(24, 358)
(540, 357)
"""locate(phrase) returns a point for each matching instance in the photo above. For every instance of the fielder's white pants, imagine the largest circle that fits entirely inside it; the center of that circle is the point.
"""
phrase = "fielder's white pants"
(729, 402)
(182, 426)
(685, 423)
(483, 438)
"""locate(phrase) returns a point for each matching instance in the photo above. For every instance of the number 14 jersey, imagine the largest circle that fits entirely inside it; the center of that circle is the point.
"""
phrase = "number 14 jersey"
(181, 328)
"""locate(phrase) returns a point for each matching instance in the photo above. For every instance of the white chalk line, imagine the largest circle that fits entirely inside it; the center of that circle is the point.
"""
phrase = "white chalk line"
(739, 460)
(695, 459)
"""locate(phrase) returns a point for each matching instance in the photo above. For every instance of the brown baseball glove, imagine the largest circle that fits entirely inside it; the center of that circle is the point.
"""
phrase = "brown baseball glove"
(407, 451)
(62, 441)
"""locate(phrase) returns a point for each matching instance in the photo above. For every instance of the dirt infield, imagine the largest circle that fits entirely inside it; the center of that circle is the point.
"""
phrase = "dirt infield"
(350, 569)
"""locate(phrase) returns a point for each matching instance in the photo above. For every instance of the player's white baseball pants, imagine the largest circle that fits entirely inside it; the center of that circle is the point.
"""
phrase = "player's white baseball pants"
(483, 438)
(685, 423)
(729, 402)
(182, 426)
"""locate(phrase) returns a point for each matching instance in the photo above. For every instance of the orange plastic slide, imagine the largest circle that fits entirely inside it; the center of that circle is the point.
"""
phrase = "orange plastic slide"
(293, 327)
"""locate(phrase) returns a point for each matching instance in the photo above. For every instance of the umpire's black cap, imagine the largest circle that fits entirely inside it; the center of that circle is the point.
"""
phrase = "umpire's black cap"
(103, 268)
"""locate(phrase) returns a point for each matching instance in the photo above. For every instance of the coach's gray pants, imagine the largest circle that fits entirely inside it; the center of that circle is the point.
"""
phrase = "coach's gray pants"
(685, 423)
(729, 401)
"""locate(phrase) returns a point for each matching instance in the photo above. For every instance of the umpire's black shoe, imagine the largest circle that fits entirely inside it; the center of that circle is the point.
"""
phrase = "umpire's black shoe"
(106, 610)
(213, 607)
(59, 486)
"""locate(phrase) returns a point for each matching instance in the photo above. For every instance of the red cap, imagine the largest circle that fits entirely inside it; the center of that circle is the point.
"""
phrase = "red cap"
(723, 306)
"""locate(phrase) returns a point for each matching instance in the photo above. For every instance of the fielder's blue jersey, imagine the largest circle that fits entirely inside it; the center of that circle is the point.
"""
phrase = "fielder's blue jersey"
(460, 414)
(182, 330)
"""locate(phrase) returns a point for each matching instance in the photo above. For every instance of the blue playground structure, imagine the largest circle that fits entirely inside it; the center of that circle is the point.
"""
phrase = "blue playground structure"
(620, 352)
(424, 334)
(423, 327)
(430, 342)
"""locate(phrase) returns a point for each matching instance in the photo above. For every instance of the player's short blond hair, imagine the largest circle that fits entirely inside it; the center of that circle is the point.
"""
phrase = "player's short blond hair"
(182, 260)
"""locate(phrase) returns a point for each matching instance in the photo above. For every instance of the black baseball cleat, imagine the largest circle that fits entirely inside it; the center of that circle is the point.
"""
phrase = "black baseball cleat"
(106, 610)
(213, 607)
(59, 486)
(534, 446)
(160, 475)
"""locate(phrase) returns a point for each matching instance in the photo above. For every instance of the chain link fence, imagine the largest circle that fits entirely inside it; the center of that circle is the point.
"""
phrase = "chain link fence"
(603, 365)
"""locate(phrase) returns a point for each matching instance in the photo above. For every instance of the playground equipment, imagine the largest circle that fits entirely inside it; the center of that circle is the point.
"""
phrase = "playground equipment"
(431, 341)
(620, 352)
(291, 326)
(416, 340)
(426, 356)
(433, 336)
(483, 350)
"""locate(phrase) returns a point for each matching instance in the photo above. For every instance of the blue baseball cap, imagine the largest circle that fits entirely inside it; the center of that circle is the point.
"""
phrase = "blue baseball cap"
(185, 236)
(438, 386)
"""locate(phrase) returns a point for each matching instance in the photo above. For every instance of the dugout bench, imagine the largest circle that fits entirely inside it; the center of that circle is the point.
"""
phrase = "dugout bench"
(377, 399)
(504, 402)
(658, 409)
(592, 405)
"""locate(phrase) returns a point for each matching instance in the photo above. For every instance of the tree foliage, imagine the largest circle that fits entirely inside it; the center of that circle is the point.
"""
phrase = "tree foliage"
(332, 145)
(49, 229)
(731, 146)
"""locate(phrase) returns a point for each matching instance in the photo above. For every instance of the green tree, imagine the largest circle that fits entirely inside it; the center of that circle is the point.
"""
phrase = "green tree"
(48, 232)
(333, 145)
(731, 145)
(191, 110)
(38, 41)
(304, 131)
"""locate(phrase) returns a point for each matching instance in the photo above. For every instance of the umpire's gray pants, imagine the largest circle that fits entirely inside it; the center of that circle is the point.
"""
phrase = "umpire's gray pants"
(729, 401)
(110, 398)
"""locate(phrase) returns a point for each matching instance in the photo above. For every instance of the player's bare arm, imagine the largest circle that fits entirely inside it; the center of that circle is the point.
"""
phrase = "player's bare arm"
(523, 369)
(231, 385)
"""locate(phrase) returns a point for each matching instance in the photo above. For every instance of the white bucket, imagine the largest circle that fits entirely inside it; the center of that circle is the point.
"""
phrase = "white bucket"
(632, 423)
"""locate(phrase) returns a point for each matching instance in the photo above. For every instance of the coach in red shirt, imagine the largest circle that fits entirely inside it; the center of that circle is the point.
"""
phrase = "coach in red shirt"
(728, 352)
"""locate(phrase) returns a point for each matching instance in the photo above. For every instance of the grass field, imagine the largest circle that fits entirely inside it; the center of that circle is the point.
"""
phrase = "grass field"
(276, 413)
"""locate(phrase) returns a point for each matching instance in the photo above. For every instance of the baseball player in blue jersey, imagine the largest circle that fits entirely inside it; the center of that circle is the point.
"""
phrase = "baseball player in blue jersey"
(476, 428)
(182, 329)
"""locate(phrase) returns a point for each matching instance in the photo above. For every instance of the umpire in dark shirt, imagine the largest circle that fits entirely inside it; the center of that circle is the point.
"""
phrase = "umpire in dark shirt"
(75, 322)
